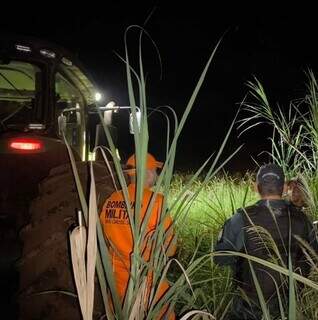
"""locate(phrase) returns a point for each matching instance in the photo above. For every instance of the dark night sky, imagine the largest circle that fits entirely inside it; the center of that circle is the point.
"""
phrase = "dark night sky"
(274, 44)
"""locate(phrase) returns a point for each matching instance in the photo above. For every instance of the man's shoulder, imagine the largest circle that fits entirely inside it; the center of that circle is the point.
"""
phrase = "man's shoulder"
(299, 213)
(236, 221)
(247, 210)
(295, 209)
(116, 195)
(231, 236)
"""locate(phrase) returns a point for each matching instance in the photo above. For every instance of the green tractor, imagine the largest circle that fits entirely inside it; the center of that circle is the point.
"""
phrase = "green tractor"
(44, 91)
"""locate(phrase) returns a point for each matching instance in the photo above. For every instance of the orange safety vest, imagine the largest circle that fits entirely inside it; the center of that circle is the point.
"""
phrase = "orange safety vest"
(117, 230)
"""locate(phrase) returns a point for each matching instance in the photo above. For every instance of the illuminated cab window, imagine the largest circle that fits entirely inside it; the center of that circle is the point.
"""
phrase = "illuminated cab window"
(20, 93)
(70, 102)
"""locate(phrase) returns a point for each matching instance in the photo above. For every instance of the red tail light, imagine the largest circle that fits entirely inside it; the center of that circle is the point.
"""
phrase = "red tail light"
(26, 144)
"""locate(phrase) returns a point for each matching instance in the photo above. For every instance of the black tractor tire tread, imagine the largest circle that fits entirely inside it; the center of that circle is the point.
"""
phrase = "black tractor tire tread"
(46, 264)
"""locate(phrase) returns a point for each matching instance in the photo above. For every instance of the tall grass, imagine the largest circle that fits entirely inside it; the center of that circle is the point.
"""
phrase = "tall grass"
(212, 286)
(138, 302)
(295, 134)
(295, 148)
(200, 203)
(198, 228)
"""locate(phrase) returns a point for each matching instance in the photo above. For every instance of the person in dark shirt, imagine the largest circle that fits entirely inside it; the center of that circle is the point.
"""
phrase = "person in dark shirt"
(251, 230)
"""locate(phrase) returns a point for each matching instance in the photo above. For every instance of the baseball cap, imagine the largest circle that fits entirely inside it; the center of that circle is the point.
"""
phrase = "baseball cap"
(151, 162)
(270, 173)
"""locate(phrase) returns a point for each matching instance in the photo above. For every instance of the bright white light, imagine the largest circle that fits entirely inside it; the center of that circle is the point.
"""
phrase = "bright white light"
(36, 126)
(47, 53)
(108, 114)
(98, 96)
(23, 48)
(111, 105)
(67, 62)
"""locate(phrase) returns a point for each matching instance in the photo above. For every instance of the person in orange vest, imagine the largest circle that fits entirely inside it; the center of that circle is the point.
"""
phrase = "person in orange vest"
(118, 234)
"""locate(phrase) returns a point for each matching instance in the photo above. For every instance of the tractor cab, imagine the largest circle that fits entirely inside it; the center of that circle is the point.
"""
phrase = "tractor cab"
(39, 82)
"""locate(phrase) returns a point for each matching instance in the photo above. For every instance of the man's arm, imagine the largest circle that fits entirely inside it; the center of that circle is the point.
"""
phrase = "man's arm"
(168, 241)
(312, 235)
(303, 265)
(171, 239)
(313, 241)
(231, 238)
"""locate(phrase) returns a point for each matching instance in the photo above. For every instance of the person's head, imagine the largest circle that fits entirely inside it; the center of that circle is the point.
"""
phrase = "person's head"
(151, 169)
(270, 181)
(296, 192)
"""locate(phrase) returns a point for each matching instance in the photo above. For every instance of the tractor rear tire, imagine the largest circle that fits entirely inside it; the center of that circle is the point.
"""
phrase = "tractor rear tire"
(47, 288)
